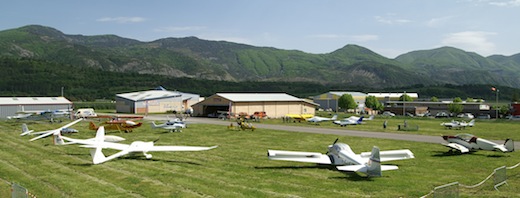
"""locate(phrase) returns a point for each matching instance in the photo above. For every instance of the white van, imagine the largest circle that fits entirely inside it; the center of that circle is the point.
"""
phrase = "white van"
(84, 113)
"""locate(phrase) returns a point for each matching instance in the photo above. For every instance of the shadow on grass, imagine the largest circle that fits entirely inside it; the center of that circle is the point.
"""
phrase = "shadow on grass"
(349, 175)
(455, 153)
(298, 167)
(139, 158)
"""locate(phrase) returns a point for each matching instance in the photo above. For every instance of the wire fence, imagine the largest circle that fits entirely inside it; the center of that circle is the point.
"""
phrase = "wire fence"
(497, 183)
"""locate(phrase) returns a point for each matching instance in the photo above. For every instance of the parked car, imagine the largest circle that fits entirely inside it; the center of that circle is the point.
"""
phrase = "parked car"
(466, 116)
(442, 114)
(388, 113)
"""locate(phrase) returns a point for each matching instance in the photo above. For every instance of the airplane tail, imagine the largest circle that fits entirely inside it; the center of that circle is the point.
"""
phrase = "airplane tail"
(510, 145)
(25, 130)
(471, 123)
(374, 167)
(154, 125)
(360, 120)
(92, 126)
(334, 117)
(96, 149)
(58, 140)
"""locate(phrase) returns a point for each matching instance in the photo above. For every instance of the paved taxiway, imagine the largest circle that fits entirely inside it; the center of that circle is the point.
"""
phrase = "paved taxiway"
(340, 131)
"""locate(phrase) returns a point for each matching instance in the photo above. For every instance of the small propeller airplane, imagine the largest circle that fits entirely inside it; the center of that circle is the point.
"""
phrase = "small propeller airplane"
(458, 125)
(352, 120)
(172, 125)
(342, 156)
(136, 147)
(299, 117)
(26, 131)
(118, 122)
(318, 119)
(465, 143)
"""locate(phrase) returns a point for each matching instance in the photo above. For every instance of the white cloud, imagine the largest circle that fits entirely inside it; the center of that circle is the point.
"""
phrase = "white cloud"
(436, 22)
(179, 29)
(475, 41)
(390, 20)
(122, 19)
(508, 3)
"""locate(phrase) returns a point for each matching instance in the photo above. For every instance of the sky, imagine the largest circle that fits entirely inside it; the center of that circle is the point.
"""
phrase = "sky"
(387, 27)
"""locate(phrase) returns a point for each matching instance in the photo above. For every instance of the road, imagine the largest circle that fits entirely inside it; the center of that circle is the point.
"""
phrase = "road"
(339, 131)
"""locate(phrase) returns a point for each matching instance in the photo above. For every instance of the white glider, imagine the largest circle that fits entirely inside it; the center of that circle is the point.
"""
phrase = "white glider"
(137, 147)
(50, 132)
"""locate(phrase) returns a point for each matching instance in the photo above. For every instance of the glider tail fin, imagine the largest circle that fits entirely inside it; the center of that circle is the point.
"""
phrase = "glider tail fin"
(154, 125)
(374, 163)
(334, 117)
(25, 130)
(96, 151)
(58, 140)
(510, 145)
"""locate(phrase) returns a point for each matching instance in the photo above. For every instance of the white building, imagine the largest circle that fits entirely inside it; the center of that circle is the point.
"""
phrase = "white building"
(10, 106)
(159, 100)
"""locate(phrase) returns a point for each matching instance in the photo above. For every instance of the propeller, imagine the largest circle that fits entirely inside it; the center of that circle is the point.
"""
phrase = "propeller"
(333, 145)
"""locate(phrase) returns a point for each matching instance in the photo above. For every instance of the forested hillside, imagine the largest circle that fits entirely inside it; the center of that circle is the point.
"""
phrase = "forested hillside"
(190, 57)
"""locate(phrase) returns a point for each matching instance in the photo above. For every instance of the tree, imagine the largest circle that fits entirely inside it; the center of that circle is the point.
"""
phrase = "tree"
(405, 97)
(470, 100)
(434, 99)
(456, 107)
(372, 102)
(346, 101)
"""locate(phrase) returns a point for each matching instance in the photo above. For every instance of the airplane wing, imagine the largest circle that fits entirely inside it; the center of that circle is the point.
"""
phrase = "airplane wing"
(459, 147)
(50, 132)
(180, 148)
(296, 156)
(391, 155)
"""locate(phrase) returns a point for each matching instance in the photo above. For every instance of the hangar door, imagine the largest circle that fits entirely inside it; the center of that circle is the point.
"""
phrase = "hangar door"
(212, 109)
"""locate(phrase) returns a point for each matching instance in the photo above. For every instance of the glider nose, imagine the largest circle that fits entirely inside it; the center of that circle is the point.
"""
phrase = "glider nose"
(445, 137)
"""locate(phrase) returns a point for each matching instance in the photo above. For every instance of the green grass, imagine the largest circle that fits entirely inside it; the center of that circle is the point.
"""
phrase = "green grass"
(238, 167)
(487, 129)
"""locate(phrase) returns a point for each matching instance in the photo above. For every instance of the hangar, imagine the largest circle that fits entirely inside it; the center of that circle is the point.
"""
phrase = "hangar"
(9, 106)
(329, 100)
(158, 100)
(274, 104)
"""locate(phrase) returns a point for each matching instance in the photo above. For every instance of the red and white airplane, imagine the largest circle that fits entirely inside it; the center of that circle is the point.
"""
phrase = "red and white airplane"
(466, 143)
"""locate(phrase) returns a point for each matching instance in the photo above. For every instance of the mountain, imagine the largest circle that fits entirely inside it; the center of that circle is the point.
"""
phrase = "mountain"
(190, 57)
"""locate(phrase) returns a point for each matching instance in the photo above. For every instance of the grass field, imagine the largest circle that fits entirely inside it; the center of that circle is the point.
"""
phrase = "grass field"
(239, 166)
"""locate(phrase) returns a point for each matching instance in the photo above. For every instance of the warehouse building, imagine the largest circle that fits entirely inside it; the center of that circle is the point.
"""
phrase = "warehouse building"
(10, 106)
(158, 100)
(275, 105)
(329, 100)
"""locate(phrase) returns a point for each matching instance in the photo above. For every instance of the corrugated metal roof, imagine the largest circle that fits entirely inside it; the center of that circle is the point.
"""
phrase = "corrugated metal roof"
(340, 93)
(258, 97)
(150, 95)
(33, 100)
(393, 95)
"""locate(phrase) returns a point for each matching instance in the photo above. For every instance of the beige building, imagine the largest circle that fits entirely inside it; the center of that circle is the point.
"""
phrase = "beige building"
(275, 105)
(329, 100)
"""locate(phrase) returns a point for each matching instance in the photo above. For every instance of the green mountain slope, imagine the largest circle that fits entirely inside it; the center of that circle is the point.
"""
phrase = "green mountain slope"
(190, 57)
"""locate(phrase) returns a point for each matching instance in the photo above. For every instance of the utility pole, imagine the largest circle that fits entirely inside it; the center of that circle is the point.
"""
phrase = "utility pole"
(404, 108)
(497, 108)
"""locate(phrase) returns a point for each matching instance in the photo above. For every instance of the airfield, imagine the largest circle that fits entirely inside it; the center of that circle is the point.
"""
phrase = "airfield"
(239, 166)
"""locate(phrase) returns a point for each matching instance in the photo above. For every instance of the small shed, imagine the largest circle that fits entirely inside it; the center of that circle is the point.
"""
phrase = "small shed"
(274, 104)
